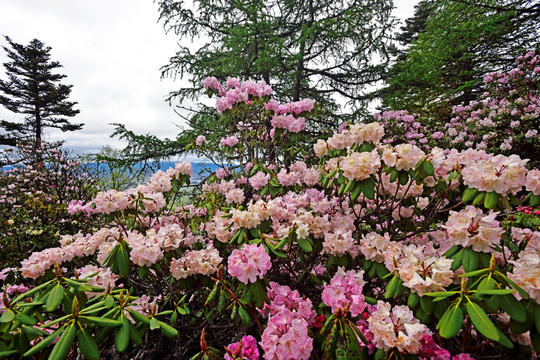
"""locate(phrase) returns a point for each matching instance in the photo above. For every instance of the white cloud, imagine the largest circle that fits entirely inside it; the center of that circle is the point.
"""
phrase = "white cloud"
(111, 51)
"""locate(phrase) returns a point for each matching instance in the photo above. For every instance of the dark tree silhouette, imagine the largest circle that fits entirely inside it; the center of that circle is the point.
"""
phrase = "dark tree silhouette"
(32, 89)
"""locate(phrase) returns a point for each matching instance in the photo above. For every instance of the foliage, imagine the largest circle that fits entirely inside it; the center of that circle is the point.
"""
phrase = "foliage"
(115, 175)
(34, 91)
(328, 51)
(366, 250)
(505, 120)
(34, 198)
(459, 43)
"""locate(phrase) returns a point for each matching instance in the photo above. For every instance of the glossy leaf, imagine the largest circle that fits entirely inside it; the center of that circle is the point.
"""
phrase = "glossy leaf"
(55, 297)
(483, 323)
(87, 345)
(63, 345)
(451, 322)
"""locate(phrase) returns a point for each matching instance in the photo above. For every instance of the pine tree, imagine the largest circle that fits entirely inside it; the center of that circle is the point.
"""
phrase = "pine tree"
(32, 89)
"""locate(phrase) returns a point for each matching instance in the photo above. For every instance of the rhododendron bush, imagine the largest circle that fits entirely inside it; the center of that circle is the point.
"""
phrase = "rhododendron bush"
(34, 197)
(352, 249)
(505, 120)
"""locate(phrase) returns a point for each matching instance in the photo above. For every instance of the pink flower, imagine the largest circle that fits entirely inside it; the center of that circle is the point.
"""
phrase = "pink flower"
(248, 263)
(470, 227)
(286, 337)
(245, 349)
(345, 290)
(229, 141)
(463, 356)
(222, 173)
(259, 180)
(201, 139)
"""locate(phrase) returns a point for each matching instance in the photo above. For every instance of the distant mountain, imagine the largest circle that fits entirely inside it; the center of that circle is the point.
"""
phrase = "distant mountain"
(200, 169)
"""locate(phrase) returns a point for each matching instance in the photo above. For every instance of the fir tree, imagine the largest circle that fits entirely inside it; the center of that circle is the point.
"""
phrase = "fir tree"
(34, 90)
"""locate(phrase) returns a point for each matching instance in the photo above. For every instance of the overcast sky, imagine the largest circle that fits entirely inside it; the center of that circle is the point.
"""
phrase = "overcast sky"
(111, 51)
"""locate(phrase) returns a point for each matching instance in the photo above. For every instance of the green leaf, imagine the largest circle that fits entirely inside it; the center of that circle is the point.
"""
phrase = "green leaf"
(474, 273)
(168, 330)
(134, 335)
(7, 353)
(458, 258)
(451, 322)
(305, 245)
(121, 335)
(413, 300)
(43, 343)
(142, 271)
(481, 321)
(403, 177)
(534, 200)
(392, 287)
(394, 175)
(55, 297)
(491, 199)
(536, 316)
(513, 307)
(350, 186)
(450, 252)
(87, 345)
(33, 331)
(495, 291)
(355, 193)
(368, 188)
(470, 260)
(441, 293)
(32, 291)
(63, 345)
(7, 316)
(244, 315)
(25, 319)
(469, 194)
(478, 199)
(154, 323)
(122, 261)
(535, 341)
(212, 295)
(427, 305)
(103, 321)
(428, 168)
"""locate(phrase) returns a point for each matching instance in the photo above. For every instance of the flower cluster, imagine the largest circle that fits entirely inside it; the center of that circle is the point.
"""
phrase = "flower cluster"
(526, 272)
(345, 292)
(229, 141)
(282, 297)
(245, 349)
(286, 337)
(506, 117)
(396, 328)
(249, 263)
(204, 262)
(471, 227)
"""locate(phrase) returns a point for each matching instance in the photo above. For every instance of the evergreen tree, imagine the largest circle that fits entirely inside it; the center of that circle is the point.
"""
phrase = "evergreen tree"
(452, 45)
(32, 89)
(324, 50)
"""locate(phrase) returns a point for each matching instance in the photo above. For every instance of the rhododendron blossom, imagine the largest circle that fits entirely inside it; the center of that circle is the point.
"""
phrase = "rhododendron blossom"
(286, 337)
(249, 263)
(396, 328)
(205, 262)
(245, 349)
(470, 227)
(345, 291)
